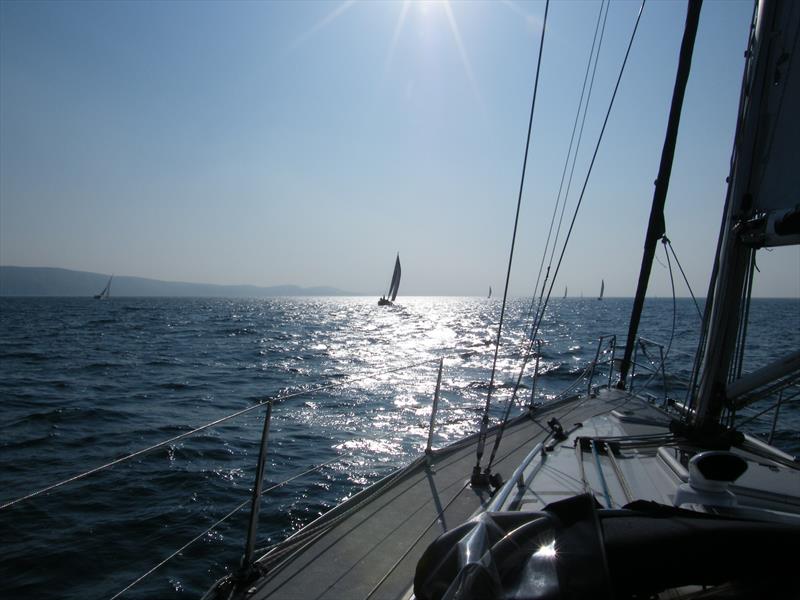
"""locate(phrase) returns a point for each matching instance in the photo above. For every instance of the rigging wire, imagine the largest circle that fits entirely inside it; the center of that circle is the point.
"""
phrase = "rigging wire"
(485, 419)
(569, 150)
(535, 323)
(542, 308)
(580, 137)
(674, 304)
(686, 279)
(591, 167)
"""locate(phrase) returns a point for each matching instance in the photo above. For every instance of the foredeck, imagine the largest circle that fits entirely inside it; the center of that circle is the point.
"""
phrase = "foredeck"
(373, 546)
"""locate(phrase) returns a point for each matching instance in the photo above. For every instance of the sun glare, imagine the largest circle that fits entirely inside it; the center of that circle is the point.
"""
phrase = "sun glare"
(546, 550)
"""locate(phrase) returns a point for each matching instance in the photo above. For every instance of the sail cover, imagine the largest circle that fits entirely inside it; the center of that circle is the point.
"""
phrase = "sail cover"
(394, 286)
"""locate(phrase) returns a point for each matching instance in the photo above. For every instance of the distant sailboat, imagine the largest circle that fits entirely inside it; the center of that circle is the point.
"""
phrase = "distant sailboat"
(565, 291)
(394, 286)
(106, 293)
(490, 292)
(602, 289)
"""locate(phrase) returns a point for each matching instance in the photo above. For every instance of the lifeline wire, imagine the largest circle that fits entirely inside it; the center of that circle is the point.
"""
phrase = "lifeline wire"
(186, 434)
(485, 420)
(215, 525)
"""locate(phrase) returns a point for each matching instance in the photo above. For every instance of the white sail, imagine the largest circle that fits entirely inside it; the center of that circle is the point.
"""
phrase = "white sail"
(394, 286)
(106, 293)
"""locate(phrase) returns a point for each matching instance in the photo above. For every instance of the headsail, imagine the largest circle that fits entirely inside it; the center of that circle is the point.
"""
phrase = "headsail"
(394, 286)
(106, 293)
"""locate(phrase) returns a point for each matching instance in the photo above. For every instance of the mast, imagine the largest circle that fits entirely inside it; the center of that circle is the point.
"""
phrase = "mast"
(761, 206)
(656, 227)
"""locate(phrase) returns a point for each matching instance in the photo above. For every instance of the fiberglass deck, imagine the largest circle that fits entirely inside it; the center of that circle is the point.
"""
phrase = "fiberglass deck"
(372, 552)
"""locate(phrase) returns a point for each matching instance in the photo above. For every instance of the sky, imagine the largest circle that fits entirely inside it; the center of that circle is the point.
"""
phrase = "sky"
(307, 143)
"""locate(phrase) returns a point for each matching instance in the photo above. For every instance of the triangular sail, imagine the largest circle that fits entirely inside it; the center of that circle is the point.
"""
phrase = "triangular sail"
(106, 292)
(490, 292)
(602, 289)
(565, 291)
(394, 286)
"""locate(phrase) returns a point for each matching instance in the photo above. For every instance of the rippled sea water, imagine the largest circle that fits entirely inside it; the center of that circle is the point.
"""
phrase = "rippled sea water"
(83, 382)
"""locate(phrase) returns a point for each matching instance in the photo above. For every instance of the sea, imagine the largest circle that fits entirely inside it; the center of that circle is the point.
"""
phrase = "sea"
(84, 382)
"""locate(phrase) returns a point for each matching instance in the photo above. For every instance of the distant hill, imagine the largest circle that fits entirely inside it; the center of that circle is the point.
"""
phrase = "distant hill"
(47, 281)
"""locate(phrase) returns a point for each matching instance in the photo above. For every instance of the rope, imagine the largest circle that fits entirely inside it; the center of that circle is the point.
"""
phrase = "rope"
(485, 419)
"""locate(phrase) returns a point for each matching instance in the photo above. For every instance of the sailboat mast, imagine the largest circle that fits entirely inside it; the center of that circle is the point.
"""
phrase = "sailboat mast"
(656, 227)
(755, 194)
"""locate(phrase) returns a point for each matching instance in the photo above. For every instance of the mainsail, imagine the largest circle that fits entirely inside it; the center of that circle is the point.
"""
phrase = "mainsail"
(761, 211)
(602, 289)
(394, 286)
(106, 293)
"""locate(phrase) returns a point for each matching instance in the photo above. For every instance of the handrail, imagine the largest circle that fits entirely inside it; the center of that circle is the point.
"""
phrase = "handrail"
(612, 344)
(199, 537)
(255, 506)
(503, 493)
(434, 407)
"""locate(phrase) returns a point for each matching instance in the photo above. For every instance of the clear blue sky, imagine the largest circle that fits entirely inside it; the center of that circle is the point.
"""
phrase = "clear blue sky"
(307, 143)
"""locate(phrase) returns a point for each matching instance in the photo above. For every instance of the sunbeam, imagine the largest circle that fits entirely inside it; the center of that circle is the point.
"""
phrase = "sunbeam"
(451, 19)
(398, 28)
(534, 21)
(319, 25)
